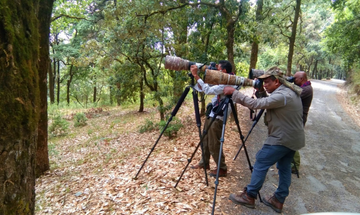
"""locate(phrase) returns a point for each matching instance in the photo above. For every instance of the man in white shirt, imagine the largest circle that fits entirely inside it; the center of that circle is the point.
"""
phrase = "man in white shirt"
(211, 142)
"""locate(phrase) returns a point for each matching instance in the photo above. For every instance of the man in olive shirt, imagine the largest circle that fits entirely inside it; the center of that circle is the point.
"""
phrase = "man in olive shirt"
(300, 79)
(285, 136)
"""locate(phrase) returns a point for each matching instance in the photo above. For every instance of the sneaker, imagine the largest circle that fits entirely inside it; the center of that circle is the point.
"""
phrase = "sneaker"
(200, 167)
(222, 173)
(243, 199)
(274, 204)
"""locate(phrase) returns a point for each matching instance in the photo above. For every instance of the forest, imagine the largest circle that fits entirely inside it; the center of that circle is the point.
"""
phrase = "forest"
(112, 52)
(78, 58)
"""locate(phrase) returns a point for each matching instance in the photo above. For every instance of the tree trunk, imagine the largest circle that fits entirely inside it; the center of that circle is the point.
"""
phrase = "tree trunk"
(179, 77)
(51, 83)
(255, 44)
(293, 37)
(301, 67)
(19, 105)
(58, 82)
(94, 95)
(68, 83)
(111, 94)
(118, 96)
(42, 157)
(142, 95)
(230, 43)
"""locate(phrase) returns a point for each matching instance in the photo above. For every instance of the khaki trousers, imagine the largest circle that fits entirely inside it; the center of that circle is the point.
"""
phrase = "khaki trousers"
(211, 143)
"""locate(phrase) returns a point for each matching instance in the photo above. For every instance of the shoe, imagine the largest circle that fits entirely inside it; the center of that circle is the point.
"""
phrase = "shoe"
(200, 167)
(243, 199)
(274, 204)
(222, 173)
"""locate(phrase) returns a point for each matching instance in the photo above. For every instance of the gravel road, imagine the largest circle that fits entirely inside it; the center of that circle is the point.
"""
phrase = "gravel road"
(329, 174)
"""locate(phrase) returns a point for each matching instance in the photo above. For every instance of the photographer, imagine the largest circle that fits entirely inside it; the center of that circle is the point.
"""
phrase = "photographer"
(285, 136)
(300, 79)
(211, 142)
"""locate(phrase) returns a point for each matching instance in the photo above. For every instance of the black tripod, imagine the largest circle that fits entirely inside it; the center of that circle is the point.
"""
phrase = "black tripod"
(173, 113)
(222, 109)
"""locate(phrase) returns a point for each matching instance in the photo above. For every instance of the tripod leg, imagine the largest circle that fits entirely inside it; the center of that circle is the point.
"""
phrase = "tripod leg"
(220, 151)
(173, 113)
(201, 140)
(256, 120)
(242, 137)
(198, 123)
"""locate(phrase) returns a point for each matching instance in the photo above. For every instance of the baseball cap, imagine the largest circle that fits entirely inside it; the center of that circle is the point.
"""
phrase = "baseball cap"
(275, 71)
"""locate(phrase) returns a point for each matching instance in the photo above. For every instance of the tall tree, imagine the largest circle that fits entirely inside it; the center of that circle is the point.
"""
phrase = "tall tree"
(42, 158)
(19, 104)
(255, 43)
(293, 37)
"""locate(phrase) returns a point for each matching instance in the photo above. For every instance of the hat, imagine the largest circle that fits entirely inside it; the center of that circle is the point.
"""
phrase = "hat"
(275, 71)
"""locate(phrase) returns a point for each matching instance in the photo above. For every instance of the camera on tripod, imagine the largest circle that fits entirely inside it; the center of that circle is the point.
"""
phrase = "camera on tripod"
(211, 73)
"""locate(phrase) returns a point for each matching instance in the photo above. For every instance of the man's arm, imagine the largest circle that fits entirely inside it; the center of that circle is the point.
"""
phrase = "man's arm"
(274, 101)
(208, 90)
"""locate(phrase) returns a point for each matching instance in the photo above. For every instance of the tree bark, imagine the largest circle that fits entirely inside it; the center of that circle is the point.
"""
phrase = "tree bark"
(94, 94)
(111, 94)
(180, 33)
(42, 157)
(293, 37)
(58, 82)
(255, 44)
(142, 95)
(51, 83)
(19, 105)
(68, 83)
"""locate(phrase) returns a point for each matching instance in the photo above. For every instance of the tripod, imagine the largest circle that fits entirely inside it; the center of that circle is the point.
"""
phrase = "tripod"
(173, 113)
(223, 108)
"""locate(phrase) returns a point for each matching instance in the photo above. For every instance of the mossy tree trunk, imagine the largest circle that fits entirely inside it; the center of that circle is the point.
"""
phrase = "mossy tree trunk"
(19, 104)
(42, 157)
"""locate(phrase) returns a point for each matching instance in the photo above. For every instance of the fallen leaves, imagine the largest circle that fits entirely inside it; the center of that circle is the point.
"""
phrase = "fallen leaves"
(94, 171)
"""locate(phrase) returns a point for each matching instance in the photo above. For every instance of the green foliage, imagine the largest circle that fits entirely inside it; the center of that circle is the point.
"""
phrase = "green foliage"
(147, 127)
(80, 120)
(58, 127)
(172, 129)
(342, 37)
(242, 69)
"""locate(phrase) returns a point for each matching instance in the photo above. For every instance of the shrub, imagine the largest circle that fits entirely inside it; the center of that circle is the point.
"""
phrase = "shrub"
(80, 120)
(58, 127)
(148, 126)
(172, 128)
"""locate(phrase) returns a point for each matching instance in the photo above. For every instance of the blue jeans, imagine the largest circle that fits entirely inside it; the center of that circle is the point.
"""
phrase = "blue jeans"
(265, 158)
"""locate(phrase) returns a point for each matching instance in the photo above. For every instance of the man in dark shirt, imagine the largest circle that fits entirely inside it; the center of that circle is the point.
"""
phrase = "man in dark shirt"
(300, 79)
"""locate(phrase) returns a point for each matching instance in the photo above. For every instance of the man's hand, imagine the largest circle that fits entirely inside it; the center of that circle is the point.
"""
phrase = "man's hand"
(228, 90)
(194, 70)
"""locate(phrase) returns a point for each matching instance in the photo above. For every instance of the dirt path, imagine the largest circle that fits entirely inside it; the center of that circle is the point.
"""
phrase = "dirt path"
(330, 174)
